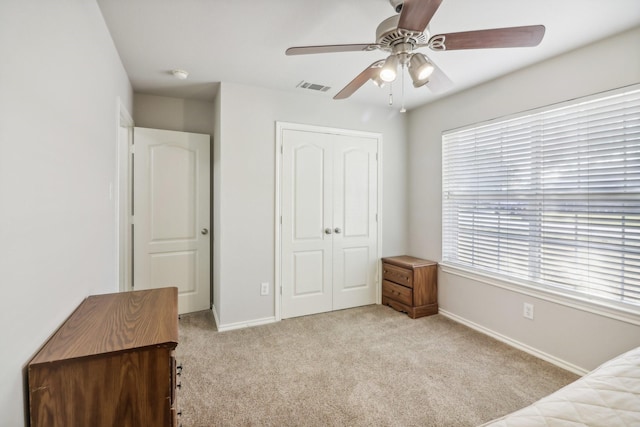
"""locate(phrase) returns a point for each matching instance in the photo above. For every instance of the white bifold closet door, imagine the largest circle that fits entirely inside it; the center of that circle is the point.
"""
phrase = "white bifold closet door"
(171, 211)
(329, 222)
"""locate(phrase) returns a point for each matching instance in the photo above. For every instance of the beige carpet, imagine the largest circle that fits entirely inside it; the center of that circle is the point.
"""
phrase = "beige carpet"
(367, 366)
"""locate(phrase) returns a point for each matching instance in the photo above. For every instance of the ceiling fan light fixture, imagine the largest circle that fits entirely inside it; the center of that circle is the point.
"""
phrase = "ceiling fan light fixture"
(389, 70)
(420, 69)
(377, 80)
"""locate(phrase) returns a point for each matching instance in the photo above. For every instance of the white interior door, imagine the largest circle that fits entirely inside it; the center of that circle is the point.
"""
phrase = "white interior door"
(306, 214)
(171, 214)
(354, 220)
(329, 223)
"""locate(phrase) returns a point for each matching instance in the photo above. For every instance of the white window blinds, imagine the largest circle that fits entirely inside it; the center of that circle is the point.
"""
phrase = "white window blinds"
(550, 198)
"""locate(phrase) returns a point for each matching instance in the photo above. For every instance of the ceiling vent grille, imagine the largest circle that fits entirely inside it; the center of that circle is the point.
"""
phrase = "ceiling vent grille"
(313, 86)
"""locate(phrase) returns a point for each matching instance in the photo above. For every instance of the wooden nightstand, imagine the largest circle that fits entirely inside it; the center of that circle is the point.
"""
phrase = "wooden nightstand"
(410, 285)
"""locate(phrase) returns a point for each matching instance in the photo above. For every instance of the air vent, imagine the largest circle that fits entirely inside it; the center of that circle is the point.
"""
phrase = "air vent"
(312, 86)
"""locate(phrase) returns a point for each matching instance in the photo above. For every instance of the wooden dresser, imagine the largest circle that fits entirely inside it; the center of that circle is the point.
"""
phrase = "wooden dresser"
(410, 285)
(111, 363)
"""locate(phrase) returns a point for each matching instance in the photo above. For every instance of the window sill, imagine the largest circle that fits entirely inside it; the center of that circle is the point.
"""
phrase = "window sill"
(567, 299)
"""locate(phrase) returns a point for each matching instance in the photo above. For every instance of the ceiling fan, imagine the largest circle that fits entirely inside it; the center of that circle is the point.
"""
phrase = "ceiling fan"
(402, 34)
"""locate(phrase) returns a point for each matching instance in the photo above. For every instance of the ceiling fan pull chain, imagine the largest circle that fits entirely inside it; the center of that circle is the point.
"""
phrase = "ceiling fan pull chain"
(391, 93)
(402, 109)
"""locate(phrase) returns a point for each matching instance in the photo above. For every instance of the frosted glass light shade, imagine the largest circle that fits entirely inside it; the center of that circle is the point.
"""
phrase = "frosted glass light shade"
(389, 70)
(420, 69)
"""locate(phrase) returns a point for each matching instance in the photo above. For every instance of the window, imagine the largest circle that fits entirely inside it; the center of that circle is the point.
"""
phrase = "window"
(550, 198)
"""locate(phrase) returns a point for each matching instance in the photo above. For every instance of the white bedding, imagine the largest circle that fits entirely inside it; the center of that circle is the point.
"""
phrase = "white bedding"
(609, 396)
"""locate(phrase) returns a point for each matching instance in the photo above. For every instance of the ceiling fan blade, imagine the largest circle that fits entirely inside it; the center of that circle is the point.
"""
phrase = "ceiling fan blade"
(416, 14)
(438, 81)
(526, 36)
(306, 50)
(360, 80)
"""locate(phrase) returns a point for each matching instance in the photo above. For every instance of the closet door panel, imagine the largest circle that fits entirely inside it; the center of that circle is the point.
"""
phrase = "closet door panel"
(307, 212)
(354, 207)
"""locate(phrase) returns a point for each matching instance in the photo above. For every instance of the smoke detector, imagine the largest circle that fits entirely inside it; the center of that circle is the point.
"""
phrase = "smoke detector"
(180, 74)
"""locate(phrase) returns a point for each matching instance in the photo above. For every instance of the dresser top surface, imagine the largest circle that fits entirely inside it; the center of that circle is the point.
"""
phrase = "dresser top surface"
(408, 261)
(115, 322)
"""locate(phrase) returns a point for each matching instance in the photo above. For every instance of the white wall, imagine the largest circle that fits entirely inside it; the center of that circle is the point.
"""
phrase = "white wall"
(581, 339)
(59, 82)
(246, 184)
(183, 115)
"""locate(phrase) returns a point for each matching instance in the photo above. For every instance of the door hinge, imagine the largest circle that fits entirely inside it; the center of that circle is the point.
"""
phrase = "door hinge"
(376, 157)
(280, 219)
(281, 149)
(132, 149)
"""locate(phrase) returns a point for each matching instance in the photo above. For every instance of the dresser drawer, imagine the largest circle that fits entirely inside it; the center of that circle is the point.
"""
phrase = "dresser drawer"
(397, 292)
(396, 274)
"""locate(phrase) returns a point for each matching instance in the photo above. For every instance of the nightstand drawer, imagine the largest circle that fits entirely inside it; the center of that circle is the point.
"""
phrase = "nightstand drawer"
(399, 275)
(397, 292)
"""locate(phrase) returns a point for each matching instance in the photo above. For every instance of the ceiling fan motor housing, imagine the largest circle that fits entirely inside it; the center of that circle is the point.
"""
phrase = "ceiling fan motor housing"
(388, 34)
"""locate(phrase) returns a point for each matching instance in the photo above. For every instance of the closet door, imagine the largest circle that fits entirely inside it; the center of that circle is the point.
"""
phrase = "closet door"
(354, 220)
(329, 228)
(307, 223)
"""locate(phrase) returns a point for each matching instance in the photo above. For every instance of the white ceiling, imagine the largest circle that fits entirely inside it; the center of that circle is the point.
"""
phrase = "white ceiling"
(243, 41)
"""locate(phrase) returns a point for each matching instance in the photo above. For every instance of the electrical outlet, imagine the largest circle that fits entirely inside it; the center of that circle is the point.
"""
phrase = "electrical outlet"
(264, 288)
(528, 311)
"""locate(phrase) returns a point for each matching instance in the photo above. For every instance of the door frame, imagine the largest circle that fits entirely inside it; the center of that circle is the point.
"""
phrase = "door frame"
(280, 128)
(124, 143)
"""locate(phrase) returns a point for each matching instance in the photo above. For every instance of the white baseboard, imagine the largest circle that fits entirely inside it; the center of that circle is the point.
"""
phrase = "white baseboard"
(517, 344)
(240, 325)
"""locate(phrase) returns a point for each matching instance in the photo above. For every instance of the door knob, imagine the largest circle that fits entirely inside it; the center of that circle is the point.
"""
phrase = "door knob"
(204, 231)
(338, 230)
(327, 230)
